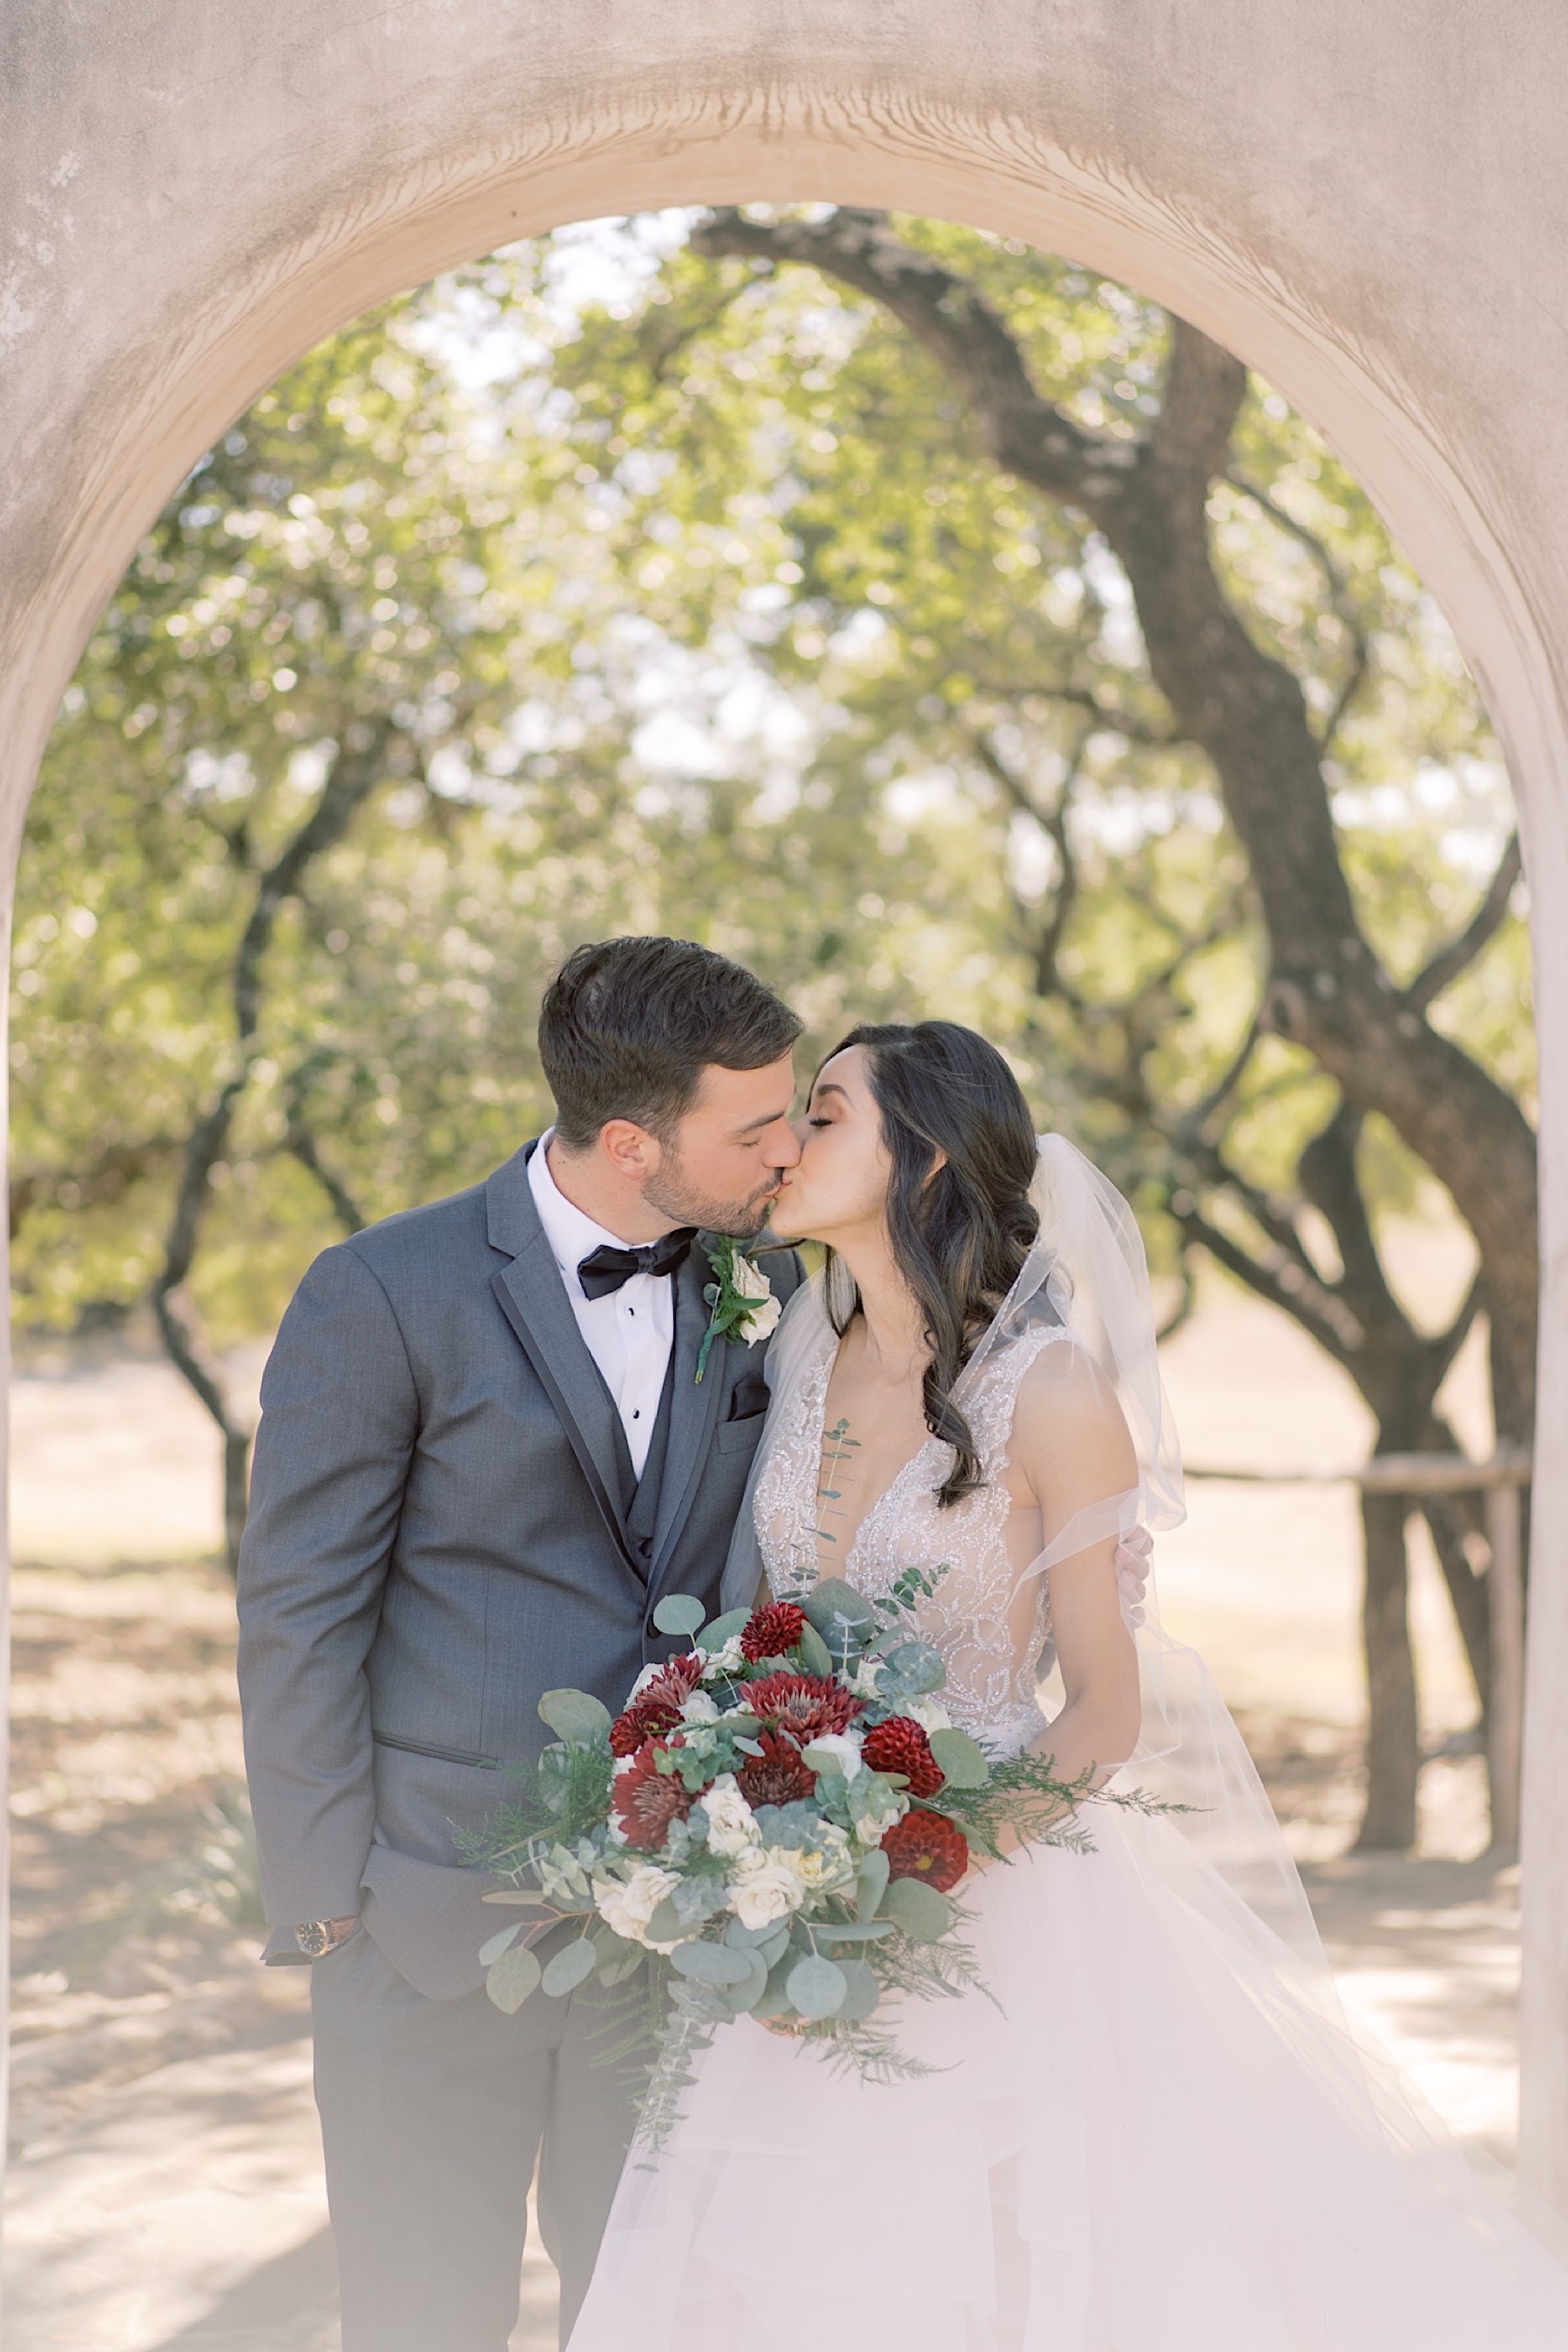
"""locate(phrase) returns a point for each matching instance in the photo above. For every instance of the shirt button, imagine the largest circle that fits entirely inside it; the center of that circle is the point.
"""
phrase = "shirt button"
(637, 1413)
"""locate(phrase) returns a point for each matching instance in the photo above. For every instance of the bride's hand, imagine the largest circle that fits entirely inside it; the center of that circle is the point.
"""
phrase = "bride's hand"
(1008, 1842)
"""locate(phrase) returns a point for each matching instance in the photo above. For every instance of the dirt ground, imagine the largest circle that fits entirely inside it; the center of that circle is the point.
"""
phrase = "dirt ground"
(165, 2189)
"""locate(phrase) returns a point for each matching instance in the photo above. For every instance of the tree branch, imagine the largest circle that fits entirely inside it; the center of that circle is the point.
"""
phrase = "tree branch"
(1192, 1123)
(354, 775)
(1339, 596)
(1026, 433)
(345, 1208)
(1483, 926)
(1107, 718)
(1046, 946)
(1265, 1281)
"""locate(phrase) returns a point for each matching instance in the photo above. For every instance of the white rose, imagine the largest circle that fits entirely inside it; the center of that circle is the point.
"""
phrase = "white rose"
(763, 1889)
(727, 1659)
(873, 1824)
(700, 1709)
(841, 1747)
(816, 1871)
(927, 1712)
(732, 1824)
(627, 1905)
(749, 1281)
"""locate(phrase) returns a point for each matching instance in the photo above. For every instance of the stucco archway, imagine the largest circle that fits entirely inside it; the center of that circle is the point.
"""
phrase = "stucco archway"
(1367, 205)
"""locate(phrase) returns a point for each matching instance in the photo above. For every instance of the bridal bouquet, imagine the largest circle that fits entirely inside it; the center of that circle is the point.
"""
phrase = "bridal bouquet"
(772, 1826)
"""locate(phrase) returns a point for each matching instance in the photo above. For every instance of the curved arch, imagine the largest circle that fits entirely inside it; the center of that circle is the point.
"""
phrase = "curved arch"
(1356, 202)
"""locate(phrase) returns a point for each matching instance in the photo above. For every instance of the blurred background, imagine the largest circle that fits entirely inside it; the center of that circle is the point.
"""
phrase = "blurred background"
(938, 628)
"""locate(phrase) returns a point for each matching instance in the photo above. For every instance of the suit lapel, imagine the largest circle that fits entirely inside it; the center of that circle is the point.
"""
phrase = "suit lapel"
(694, 1412)
(530, 1295)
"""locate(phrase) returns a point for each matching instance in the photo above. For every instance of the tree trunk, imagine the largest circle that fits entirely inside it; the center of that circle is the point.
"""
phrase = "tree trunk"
(1393, 1741)
(236, 1492)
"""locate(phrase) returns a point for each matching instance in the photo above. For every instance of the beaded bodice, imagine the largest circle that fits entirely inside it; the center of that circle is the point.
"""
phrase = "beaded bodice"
(991, 1627)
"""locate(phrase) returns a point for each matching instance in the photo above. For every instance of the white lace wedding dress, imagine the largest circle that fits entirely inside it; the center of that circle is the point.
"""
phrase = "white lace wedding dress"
(1159, 2135)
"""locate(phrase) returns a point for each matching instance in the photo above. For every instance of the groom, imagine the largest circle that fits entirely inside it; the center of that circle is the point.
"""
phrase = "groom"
(484, 1453)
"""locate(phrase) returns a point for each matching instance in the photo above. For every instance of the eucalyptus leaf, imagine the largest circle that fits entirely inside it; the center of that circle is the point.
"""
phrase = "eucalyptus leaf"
(921, 1911)
(611, 1947)
(679, 1612)
(913, 1669)
(964, 1762)
(724, 1629)
(864, 1992)
(742, 1997)
(492, 1949)
(815, 1654)
(750, 1939)
(519, 1895)
(711, 1964)
(871, 1883)
(776, 2001)
(864, 1931)
(818, 1988)
(512, 1978)
(610, 1973)
(566, 1969)
(843, 1617)
(575, 1717)
(667, 1926)
(777, 1944)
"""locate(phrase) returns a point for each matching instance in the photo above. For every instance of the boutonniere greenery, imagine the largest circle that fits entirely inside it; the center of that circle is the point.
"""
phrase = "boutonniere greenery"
(741, 1302)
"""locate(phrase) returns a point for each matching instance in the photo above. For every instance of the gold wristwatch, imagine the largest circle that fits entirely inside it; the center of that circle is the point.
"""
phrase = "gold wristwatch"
(315, 1937)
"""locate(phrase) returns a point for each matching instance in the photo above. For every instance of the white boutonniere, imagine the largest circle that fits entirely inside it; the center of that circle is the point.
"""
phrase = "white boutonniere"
(740, 1299)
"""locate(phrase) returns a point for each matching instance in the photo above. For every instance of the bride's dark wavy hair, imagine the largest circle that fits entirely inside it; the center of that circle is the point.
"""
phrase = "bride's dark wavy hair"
(962, 1231)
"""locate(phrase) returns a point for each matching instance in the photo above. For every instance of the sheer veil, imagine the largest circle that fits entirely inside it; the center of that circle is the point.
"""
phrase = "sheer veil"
(1087, 1271)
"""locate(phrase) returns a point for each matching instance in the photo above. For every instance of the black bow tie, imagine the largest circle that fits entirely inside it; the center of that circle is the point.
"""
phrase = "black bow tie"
(604, 1269)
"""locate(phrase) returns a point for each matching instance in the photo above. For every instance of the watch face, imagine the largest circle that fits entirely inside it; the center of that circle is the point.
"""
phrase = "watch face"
(314, 1938)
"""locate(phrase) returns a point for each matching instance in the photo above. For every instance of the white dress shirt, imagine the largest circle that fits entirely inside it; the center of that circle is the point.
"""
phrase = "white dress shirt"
(630, 1333)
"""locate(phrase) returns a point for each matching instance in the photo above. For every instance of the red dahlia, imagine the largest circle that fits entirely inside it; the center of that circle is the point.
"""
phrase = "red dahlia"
(928, 1846)
(808, 1706)
(778, 1776)
(646, 1801)
(656, 1707)
(900, 1745)
(771, 1630)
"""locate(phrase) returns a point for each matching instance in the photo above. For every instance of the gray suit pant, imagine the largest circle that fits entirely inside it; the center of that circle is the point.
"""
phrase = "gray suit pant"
(433, 2112)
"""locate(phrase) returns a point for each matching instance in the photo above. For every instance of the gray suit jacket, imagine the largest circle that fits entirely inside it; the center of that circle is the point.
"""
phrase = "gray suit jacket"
(437, 1536)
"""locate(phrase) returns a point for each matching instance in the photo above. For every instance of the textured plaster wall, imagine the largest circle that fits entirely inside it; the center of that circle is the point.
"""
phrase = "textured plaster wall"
(1369, 204)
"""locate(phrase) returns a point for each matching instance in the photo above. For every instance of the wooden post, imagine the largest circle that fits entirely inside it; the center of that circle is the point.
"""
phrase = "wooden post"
(1505, 1741)
(1500, 1479)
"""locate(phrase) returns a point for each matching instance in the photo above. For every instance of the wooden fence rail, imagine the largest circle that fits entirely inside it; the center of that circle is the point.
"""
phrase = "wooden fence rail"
(1500, 1480)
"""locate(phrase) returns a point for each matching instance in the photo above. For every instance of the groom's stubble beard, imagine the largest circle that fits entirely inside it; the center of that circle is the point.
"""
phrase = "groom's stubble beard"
(674, 1195)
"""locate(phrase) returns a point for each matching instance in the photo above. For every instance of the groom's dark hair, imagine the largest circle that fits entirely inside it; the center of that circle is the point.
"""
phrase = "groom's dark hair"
(628, 1026)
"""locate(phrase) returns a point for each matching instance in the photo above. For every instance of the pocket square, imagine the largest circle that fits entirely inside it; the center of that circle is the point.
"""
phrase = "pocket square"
(749, 1397)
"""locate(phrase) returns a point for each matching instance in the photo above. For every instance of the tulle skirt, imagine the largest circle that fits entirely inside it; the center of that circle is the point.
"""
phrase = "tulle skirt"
(1157, 2136)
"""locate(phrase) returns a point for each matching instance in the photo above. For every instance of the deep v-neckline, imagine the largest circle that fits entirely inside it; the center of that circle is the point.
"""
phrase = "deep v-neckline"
(850, 1558)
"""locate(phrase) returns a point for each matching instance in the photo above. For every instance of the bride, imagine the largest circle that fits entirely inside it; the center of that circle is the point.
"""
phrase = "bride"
(1159, 2134)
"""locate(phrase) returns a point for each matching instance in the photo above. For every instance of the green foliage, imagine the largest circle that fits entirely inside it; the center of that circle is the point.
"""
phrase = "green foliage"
(576, 1717)
(511, 1979)
(677, 596)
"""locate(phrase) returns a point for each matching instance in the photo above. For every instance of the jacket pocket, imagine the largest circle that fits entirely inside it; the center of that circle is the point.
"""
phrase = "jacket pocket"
(437, 1754)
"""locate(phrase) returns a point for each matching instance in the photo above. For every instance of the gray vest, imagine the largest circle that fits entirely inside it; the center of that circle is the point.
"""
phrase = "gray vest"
(639, 1496)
